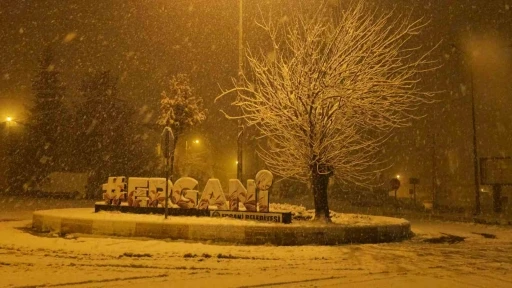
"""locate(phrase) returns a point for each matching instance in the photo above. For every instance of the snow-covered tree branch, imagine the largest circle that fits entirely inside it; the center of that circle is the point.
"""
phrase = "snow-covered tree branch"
(180, 109)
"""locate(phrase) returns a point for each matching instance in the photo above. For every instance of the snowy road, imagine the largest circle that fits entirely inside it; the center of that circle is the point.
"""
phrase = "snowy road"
(28, 259)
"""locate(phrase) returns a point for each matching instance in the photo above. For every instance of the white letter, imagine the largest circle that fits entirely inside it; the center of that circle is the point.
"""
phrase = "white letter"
(250, 201)
(213, 195)
(184, 183)
(236, 194)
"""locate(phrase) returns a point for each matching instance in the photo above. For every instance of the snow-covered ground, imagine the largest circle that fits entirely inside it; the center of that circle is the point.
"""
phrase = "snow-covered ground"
(28, 259)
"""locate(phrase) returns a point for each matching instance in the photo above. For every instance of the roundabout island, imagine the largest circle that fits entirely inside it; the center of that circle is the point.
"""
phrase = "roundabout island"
(246, 217)
(345, 229)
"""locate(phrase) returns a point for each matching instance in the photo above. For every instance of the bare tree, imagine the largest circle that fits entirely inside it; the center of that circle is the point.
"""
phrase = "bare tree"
(180, 109)
(330, 93)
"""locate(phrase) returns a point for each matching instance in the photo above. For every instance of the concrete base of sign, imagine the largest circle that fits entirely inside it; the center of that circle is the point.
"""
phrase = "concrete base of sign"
(281, 217)
(85, 221)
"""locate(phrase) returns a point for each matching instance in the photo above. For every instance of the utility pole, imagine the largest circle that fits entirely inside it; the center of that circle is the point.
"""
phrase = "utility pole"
(473, 122)
(475, 151)
(240, 135)
(434, 169)
(186, 155)
(168, 153)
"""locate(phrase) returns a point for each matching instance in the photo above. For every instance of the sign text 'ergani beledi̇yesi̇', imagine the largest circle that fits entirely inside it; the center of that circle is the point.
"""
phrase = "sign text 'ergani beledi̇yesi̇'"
(266, 217)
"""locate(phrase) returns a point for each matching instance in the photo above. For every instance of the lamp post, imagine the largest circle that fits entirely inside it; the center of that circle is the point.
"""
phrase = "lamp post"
(240, 131)
(473, 123)
(434, 168)
(168, 153)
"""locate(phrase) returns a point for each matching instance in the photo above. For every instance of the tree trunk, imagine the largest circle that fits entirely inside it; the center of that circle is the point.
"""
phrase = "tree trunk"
(319, 185)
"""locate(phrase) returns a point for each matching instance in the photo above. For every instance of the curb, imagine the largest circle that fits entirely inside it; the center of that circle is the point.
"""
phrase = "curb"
(251, 234)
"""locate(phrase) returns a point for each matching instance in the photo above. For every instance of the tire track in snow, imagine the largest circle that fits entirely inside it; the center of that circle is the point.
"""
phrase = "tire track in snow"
(123, 279)
(293, 282)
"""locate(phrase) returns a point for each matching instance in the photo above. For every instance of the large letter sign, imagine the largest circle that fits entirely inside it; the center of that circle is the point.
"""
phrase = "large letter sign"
(146, 195)
(149, 192)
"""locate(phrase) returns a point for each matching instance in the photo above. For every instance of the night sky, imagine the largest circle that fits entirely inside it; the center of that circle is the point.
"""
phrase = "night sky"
(144, 42)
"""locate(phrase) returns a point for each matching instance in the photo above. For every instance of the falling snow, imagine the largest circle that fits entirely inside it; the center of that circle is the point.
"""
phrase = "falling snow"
(81, 88)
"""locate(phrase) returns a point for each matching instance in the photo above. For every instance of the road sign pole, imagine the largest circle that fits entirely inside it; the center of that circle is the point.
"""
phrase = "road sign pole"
(168, 141)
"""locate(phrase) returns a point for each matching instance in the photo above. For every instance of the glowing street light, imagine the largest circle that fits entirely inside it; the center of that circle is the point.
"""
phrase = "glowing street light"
(9, 119)
(397, 176)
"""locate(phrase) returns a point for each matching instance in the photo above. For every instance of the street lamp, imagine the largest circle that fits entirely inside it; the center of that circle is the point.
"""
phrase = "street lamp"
(473, 121)
(168, 153)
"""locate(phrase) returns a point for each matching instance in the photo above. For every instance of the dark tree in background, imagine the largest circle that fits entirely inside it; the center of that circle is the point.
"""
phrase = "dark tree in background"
(101, 136)
(49, 121)
(17, 172)
(45, 145)
(109, 139)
